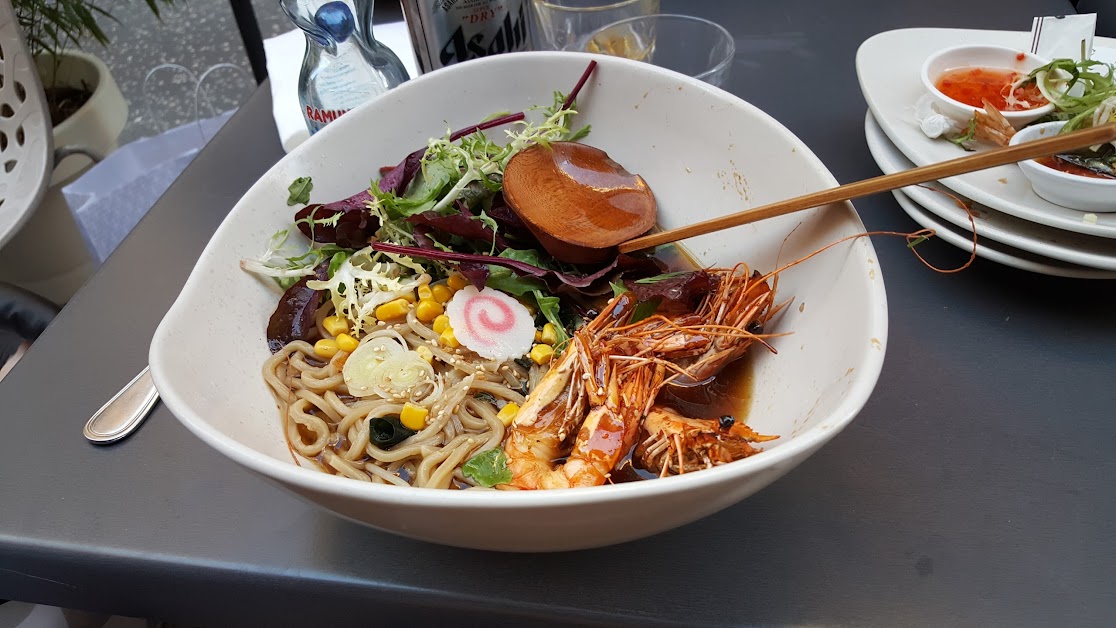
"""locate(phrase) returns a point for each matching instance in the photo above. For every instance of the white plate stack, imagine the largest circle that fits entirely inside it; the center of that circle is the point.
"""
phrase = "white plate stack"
(1015, 227)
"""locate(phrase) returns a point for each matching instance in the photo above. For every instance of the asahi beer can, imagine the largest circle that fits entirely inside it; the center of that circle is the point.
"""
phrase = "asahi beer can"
(445, 32)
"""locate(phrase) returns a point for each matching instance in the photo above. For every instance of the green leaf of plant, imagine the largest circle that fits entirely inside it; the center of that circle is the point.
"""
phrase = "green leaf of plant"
(504, 280)
(643, 309)
(488, 468)
(336, 261)
(548, 307)
(300, 191)
(491, 223)
(579, 134)
(663, 277)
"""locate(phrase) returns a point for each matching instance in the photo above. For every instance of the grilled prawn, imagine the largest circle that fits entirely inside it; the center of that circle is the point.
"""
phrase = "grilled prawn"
(677, 444)
(586, 413)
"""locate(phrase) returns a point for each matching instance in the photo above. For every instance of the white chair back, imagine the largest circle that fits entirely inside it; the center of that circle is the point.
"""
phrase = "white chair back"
(26, 142)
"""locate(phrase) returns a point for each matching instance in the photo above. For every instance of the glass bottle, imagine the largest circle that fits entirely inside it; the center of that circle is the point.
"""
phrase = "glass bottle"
(344, 65)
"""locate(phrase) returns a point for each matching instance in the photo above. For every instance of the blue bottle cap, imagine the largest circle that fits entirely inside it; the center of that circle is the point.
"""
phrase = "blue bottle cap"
(336, 19)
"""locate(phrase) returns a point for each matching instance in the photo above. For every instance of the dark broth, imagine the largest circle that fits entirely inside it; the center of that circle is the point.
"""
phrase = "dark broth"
(729, 393)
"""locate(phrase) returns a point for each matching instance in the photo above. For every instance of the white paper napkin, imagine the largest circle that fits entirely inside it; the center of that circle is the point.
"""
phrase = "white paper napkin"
(284, 62)
(1063, 36)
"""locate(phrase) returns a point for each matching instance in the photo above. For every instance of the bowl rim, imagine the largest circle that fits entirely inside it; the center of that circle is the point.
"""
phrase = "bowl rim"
(928, 84)
(797, 447)
(1032, 166)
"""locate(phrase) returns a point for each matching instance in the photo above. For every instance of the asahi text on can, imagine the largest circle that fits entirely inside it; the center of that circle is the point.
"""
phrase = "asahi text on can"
(445, 32)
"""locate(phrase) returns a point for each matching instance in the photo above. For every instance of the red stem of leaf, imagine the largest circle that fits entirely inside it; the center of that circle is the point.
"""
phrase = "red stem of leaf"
(502, 120)
(581, 83)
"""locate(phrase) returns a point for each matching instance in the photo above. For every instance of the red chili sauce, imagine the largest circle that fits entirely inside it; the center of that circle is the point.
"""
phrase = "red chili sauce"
(973, 85)
(1065, 166)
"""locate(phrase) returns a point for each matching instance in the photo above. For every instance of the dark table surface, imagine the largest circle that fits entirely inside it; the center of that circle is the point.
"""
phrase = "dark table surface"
(975, 487)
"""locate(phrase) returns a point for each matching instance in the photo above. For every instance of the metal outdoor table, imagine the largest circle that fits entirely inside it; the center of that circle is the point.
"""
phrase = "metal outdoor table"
(975, 487)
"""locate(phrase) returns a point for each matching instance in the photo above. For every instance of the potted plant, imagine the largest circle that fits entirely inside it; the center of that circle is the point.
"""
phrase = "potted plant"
(87, 111)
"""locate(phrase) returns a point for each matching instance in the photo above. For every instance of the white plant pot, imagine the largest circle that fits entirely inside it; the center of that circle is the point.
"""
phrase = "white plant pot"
(49, 256)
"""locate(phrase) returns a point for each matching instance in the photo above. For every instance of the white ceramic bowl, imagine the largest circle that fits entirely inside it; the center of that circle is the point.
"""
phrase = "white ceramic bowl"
(703, 151)
(1087, 194)
(986, 57)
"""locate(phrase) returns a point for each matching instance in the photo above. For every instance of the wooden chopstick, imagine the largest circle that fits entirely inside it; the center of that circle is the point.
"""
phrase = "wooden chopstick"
(980, 161)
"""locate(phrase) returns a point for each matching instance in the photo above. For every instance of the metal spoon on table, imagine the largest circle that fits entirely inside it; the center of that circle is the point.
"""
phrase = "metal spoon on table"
(124, 412)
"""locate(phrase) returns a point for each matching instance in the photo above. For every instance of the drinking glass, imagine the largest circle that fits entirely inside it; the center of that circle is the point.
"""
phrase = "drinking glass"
(686, 44)
(563, 24)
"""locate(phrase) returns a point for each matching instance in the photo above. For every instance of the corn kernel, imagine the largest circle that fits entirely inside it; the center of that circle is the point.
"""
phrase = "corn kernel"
(549, 334)
(507, 413)
(326, 348)
(541, 354)
(538, 336)
(393, 309)
(425, 353)
(425, 293)
(346, 343)
(440, 324)
(449, 339)
(428, 309)
(456, 282)
(335, 325)
(441, 293)
(409, 297)
(413, 417)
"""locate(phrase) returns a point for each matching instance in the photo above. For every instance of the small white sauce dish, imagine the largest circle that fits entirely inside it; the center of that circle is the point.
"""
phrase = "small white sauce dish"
(1087, 194)
(969, 56)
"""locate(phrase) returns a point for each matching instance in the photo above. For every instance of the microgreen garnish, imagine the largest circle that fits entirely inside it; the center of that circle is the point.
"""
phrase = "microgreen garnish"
(965, 137)
(300, 191)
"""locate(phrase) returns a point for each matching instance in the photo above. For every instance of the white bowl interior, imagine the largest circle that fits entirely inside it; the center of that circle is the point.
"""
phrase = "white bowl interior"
(703, 152)
(980, 56)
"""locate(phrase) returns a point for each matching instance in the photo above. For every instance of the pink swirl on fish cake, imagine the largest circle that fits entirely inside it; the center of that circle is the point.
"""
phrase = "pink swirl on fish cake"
(480, 322)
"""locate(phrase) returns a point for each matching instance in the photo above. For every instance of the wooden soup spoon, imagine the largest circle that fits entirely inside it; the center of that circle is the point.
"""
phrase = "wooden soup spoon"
(577, 201)
(585, 208)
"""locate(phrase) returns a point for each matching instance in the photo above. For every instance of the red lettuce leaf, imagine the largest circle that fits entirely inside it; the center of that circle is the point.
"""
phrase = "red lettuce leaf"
(293, 318)
(475, 272)
(398, 178)
(353, 229)
(463, 225)
(627, 267)
(422, 236)
(511, 225)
